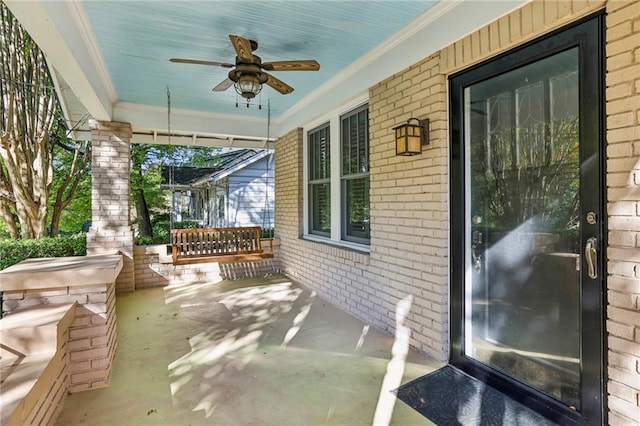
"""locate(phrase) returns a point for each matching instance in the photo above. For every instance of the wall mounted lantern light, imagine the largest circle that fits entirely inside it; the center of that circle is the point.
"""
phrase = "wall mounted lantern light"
(410, 137)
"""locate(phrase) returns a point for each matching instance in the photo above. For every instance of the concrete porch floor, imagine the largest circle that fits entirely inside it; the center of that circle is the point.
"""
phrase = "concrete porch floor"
(247, 352)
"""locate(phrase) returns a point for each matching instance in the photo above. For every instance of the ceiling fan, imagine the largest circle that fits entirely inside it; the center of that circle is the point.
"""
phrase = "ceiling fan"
(248, 74)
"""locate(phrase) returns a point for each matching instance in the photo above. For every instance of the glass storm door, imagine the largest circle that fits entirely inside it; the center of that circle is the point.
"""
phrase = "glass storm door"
(526, 193)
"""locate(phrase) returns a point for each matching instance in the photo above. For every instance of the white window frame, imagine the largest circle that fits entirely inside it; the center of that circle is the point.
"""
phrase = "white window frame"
(337, 210)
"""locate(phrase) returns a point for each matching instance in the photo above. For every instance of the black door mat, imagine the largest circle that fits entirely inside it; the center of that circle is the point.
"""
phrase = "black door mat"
(450, 397)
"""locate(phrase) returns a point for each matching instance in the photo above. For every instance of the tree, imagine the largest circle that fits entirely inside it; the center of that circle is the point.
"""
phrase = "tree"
(146, 177)
(28, 105)
(528, 172)
(41, 168)
(72, 161)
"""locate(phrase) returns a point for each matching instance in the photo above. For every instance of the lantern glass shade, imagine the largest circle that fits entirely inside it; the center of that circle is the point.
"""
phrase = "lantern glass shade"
(248, 86)
(408, 139)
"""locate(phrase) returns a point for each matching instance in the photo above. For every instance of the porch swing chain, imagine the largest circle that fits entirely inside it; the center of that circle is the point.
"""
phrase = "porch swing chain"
(266, 218)
(171, 166)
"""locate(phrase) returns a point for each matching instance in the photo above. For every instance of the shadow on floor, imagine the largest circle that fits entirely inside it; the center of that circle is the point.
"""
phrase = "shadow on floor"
(247, 352)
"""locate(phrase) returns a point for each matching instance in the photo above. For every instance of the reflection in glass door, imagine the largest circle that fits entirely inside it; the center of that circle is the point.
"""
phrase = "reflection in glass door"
(523, 292)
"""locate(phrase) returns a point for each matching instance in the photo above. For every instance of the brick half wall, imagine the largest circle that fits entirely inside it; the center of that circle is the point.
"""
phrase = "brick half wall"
(153, 268)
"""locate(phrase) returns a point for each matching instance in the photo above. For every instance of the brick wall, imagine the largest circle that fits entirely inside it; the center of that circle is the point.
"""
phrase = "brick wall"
(152, 272)
(70, 304)
(321, 267)
(532, 20)
(409, 220)
(623, 208)
(409, 209)
(336, 273)
(92, 336)
(51, 390)
(153, 268)
(370, 285)
(288, 187)
(110, 230)
(38, 339)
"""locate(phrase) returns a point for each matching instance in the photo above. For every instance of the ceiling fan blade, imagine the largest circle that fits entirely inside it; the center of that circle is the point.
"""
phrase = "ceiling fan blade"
(224, 85)
(198, 62)
(279, 85)
(309, 65)
(243, 48)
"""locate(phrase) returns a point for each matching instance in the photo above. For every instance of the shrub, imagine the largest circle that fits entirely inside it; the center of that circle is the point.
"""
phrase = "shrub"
(267, 233)
(143, 240)
(161, 231)
(14, 251)
(186, 224)
(4, 232)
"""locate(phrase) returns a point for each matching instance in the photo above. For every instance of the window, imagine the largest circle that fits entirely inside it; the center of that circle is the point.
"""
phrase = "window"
(355, 176)
(337, 197)
(320, 181)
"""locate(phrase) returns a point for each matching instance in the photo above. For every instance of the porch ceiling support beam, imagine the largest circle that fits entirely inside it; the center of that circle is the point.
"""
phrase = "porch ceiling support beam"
(55, 27)
(214, 141)
(187, 122)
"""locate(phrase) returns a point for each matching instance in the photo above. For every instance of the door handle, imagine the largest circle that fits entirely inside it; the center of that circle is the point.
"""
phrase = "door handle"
(591, 255)
(476, 258)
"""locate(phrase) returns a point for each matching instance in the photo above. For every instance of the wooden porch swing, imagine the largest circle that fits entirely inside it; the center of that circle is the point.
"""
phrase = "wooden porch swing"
(202, 245)
(208, 245)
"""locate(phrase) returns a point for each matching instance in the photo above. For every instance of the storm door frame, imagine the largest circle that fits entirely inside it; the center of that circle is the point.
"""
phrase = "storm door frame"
(588, 34)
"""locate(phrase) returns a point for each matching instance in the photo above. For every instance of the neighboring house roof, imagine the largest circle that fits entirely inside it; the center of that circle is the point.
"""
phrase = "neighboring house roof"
(225, 164)
(231, 158)
(232, 168)
(184, 175)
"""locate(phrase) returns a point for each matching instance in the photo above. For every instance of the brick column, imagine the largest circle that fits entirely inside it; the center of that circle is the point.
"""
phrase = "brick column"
(110, 230)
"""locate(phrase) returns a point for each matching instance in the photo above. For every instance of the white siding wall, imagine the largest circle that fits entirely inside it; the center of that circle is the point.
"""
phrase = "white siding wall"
(249, 202)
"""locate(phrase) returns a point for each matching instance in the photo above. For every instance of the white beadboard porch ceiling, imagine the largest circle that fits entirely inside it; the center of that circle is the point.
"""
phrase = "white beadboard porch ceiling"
(111, 58)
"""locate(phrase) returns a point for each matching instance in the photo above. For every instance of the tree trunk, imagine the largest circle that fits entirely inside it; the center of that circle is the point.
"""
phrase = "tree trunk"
(144, 219)
(9, 220)
(54, 228)
(8, 205)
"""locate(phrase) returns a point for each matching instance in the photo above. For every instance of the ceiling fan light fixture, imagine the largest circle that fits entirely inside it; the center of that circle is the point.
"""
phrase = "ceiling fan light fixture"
(248, 86)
